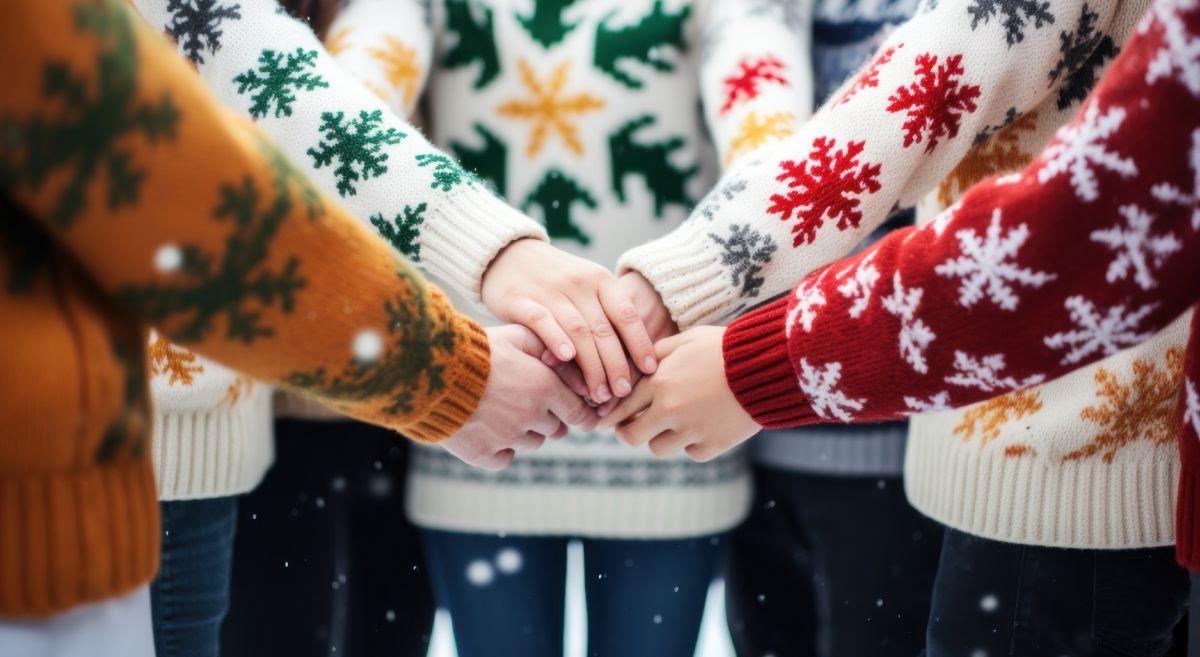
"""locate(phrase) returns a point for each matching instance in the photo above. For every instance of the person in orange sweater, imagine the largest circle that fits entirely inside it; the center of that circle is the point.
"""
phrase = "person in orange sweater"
(129, 197)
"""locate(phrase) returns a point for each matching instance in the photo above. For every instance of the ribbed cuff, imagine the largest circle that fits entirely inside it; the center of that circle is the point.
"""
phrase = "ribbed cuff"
(465, 374)
(75, 537)
(759, 370)
(463, 234)
(686, 271)
(1187, 531)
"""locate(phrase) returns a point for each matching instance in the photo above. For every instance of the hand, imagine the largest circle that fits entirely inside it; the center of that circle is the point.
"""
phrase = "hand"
(686, 405)
(578, 310)
(523, 403)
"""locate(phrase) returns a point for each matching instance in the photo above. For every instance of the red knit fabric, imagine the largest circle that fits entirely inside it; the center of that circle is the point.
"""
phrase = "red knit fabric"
(1187, 518)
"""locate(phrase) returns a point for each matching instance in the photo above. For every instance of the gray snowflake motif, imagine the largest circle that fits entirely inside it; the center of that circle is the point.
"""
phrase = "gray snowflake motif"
(1018, 14)
(745, 252)
(195, 25)
(723, 193)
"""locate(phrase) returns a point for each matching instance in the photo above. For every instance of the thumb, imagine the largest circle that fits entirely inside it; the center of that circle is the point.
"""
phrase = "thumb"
(525, 340)
(568, 406)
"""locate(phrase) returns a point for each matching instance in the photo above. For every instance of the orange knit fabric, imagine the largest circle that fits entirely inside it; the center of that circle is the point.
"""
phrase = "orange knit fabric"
(130, 196)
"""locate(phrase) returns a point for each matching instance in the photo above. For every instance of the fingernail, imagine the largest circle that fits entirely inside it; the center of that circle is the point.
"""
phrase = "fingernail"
(602, 411)
(650, 364)
(603, 394)
(565, 352)
(623, 388)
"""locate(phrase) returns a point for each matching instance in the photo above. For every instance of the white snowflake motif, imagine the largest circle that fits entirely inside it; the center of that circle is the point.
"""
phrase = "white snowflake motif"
(986, 266)
(1179, 56)
(939, 224)
(1080, 146)
(1172, 195)
(809, 297)
(915, 335)
(860, 285)
(1137, 248)
(936, 403)
(1191, 415)
(1106, 334)
(984, 373)
(820, 386)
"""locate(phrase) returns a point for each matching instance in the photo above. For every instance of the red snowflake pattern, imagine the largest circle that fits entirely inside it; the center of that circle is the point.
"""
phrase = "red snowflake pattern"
(828, 184)
(934, 101)
(869, 78)
(744, 84)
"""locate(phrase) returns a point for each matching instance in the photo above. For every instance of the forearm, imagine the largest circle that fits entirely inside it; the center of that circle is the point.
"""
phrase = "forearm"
(201, 227)
(894, 132)
(1091, 249)
(351, 145)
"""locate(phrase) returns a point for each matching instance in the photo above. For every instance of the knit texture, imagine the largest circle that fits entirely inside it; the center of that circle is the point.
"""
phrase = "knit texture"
(938, 332)
(585, 115)
(173, 212)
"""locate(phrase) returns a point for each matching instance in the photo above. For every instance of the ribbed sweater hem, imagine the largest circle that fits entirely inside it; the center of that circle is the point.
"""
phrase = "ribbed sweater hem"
(1125, 504)
(70, 538)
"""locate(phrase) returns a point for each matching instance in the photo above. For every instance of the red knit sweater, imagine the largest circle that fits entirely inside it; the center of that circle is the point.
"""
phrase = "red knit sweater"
(1091, 249)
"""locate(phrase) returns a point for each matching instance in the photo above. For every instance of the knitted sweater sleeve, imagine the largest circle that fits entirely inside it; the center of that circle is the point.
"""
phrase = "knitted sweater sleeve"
(387, 45)
(187, 216)
(1090, 249)
(756, 78)
(260, 61)
(891, 134)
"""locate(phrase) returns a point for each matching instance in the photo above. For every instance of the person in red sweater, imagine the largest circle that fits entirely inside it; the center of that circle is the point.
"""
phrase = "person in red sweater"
(1091, 249)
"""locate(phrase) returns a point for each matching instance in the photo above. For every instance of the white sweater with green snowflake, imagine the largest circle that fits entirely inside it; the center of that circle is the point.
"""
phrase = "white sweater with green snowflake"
(591, 117)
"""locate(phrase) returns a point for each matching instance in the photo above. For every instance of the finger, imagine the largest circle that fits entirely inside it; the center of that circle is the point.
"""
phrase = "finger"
(668, 444)
(551, 360)
(538, 319)
(628, 322)
(700, 452)
(560, 432)
(495, 462)
(664, 347)
(608, 345)
(569, 374)
(529, 441)
(642, 428)
(567, 406)
(586, 355)
(636, 402)
(544, 425)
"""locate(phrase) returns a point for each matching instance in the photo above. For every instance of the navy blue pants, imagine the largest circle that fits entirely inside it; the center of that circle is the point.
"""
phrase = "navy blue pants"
(190, 596)
(506, 596)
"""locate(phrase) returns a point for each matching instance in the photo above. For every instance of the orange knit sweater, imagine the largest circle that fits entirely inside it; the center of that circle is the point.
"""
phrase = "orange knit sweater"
(127, 195)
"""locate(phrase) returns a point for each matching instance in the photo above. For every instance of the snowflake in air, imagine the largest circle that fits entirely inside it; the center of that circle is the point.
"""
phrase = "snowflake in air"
(987, 265)
(828, 185)
(1137, 249)
(935, 101)
(1079, 149)
(1098, 334)
(915, 334)
(820, 386)
(986, 373)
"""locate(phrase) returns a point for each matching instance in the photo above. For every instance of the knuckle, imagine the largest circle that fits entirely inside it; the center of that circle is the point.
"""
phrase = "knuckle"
(578, 329)
(535, 314)
(602, 329)
(627, 314)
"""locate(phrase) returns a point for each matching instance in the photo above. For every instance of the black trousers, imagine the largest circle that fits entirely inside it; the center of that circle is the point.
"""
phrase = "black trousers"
(830, 566)
(995, 599)
(325, 562)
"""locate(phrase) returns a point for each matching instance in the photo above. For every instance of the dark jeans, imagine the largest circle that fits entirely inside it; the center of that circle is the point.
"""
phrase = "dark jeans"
(190, 595)
(506, 596)
(998, 599)
(326, 563)
(830, 566)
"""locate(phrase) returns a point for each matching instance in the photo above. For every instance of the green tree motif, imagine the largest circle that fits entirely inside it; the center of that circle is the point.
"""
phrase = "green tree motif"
(651, 161)
(645, 41)
(89, 122)
(359, 142)
(236, 283)
(416, 339)
(476, 41)
(546, 24)
(404, 230)
(276, 78)
(490, 161)
(555, 195)
(446, 172)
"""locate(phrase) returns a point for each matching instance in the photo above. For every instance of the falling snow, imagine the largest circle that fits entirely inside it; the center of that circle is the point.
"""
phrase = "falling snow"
(509, 561)
(168, 258)
(480, 573)
(368, 346)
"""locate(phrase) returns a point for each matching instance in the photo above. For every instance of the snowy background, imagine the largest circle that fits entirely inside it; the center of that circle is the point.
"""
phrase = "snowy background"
(714, 634)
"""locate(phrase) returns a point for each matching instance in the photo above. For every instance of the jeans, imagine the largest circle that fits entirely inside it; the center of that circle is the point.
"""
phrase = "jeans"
(190, 596)
(993, 598)
(831, 566)
(326, 563)
(506, 596)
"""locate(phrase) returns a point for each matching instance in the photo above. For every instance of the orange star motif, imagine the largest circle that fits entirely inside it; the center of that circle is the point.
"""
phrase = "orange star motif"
(338, 42)
(755, 132)
(399, 65)
(550, 109)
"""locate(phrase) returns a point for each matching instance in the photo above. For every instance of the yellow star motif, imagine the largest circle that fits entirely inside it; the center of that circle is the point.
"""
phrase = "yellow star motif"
(338, 42)
(549, 108)
(755, 132)
(399, 66)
